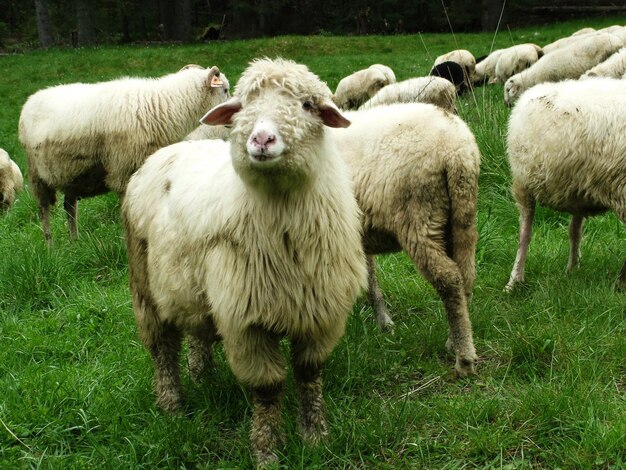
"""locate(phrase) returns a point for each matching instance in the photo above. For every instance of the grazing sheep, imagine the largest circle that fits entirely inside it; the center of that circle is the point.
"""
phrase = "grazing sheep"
(464, 58)
(613, 67)
(88, 139)
(454, 73)
(433, 90)
(515, 59)
(249, 241)
(415, 170)
(566, 148)
(354, 90)
(583, 31)
(485, 71)
(568, 62)
(11, 181)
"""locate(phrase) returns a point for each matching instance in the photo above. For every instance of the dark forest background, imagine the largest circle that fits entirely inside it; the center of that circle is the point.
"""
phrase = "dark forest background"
(34, 23)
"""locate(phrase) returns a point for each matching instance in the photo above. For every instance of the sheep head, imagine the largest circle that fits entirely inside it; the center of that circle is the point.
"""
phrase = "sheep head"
(278, 115)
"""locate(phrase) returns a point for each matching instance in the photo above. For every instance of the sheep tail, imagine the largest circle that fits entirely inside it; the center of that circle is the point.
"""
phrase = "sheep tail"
(462, 181)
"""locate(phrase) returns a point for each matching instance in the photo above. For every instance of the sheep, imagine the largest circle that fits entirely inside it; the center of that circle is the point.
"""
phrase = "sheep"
(613, 67)
(88, 139)
(568, 62)
(249, 241)
(355, 89)
(566, 148)
(415, 172)
(485, 70)
(454, 73)
(515, 59)
(434, 90)
(11, 181)
(464, 58)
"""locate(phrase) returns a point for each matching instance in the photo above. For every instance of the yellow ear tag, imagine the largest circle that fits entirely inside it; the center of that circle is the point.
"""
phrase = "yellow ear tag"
(216, 82)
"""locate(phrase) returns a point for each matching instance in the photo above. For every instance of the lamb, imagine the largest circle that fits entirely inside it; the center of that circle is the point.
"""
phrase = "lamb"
(613, 67)
(434, 90)
(249, 241)
(465, 59)
(568, 62)
(415, 171)
(566, 149)
(515, 59)
(88, 139)
(354, 90)
(11, 181)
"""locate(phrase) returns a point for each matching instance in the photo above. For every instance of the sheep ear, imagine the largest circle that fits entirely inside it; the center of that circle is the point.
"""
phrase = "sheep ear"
(331, 116)
(222, 114)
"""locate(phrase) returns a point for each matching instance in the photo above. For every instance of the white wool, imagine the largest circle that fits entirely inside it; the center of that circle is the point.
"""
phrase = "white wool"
(11, 180)
(565, 63)
(515, 59)
(434, 90)
(353, 90)
(462, 57)
(613, 67)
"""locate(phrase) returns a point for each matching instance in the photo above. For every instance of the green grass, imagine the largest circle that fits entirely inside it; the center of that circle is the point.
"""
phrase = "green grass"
(76, 382)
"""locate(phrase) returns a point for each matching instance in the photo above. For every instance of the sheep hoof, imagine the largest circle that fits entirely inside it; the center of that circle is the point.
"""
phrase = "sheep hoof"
(170, 404)
(386, 325)
(510, 286)
(465, 367)
(265, 460)
(314, 433)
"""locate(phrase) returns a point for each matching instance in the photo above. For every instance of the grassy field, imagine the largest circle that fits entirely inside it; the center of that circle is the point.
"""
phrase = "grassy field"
(551, 386)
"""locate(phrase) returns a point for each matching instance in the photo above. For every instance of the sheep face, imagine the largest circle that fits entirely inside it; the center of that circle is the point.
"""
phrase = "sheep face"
(278, 117)
(512, 89)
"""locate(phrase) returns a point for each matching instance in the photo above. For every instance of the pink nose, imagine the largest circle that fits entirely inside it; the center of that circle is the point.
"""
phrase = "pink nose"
(263, 140)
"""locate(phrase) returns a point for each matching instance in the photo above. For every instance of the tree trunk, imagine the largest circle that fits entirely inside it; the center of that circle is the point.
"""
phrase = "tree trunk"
(182, 14)
(44, 27)
(492, 10)
(84, 16)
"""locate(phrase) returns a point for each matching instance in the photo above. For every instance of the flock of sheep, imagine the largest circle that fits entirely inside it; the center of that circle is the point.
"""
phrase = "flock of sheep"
(265, 225)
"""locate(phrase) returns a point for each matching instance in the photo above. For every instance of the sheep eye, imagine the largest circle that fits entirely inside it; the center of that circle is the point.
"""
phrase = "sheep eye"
(307, 106)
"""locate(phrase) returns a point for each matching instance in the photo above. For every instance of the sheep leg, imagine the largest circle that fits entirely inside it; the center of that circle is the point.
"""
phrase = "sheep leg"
(70, 204)
(256, 359)
(445, 276)
(266, 434)
(307, 361)
(575, 235)
(164, 347)
(200, 356)
(46, 198)
(375, 296)
(527, 212)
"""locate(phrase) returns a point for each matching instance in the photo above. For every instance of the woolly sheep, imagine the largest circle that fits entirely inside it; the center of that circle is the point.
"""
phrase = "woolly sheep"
(454, 73)
(88, 139)
(566, 148)
(415, 171)
(354, 90)
(515, 59)
(11, 181)
(485, 70)
(567, 41)
(613, 67)
(434, 90)
(464, 58)
(568, 62)
(249, 241)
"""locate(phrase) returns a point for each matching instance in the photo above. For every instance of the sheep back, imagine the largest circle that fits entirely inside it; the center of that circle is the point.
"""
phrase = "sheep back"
(433, 90)
(104, 131)
(566, 145)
